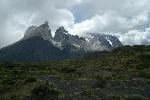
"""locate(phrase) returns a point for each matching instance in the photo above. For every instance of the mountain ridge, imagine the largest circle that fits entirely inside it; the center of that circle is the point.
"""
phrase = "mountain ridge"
(63, 45)
(88, 42)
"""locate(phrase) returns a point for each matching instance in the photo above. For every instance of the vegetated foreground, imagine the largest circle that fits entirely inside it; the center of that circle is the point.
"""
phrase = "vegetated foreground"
(123, 74)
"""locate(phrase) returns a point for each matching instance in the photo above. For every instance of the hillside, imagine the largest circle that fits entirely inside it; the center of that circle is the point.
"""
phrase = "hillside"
(123, 74)
(32, 49)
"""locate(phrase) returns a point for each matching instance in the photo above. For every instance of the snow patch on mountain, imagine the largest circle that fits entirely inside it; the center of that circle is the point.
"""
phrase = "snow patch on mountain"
(109, 41)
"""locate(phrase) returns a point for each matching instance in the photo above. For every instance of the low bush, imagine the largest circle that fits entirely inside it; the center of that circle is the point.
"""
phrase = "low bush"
(45, 92)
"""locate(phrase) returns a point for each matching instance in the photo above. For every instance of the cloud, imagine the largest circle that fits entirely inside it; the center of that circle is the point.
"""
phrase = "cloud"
(128, 18)
(137, 37)
(17, 15)
(111, 23)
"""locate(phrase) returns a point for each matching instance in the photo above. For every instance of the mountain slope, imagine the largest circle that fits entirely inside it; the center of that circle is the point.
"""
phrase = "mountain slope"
(32, 49)
(101, 42)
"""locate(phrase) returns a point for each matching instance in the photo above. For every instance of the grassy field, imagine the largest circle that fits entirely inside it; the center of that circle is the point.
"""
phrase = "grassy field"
(123, 74)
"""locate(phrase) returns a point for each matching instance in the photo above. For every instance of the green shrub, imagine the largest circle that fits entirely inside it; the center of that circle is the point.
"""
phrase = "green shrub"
(114, 97)
(14, 97)
(101, 82)
(68, 70)
(135, 97)
(30, 79)
(44, 92)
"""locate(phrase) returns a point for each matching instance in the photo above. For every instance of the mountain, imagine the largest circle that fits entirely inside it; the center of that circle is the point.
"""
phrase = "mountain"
(71, 43)
(101, 42)
(32, 49)
(39, 45)
(42, 31)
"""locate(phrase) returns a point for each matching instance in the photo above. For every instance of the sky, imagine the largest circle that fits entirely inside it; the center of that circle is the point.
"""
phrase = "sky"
(128, 19)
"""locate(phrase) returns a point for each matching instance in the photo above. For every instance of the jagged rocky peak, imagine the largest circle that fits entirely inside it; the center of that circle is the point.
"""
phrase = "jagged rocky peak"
(109, 41)
(61, 34)
(61, 30)
(66, 41)
(30, 32)
(116, 42)
(45, 25)
(43, 30)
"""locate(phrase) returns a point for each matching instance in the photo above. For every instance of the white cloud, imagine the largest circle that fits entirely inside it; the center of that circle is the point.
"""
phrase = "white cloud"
(137, 37)
(94, 24)
(17, 15)
(111, 22)
(129, 18)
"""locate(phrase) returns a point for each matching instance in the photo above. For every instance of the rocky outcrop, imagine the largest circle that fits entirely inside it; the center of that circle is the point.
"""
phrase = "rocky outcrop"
(43, 31)
(61, 34)
(72, 43)
(101, 42)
